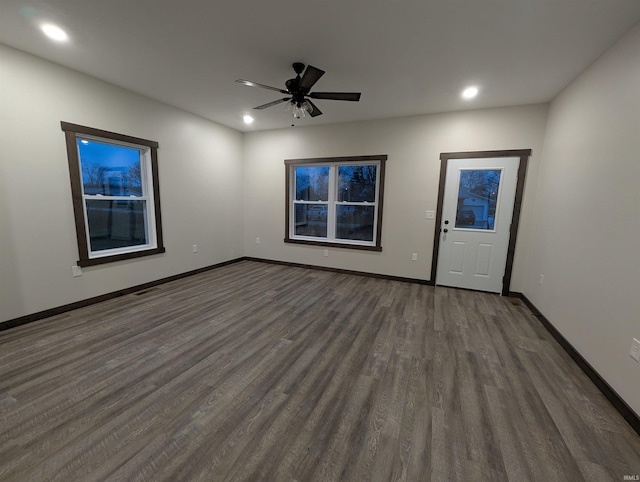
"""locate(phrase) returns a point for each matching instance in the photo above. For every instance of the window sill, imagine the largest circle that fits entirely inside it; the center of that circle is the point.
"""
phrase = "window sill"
(330, 244)
(119, 257)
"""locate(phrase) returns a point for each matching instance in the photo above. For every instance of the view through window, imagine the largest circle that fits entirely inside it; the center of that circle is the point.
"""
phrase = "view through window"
(478, 191)
(336, 201)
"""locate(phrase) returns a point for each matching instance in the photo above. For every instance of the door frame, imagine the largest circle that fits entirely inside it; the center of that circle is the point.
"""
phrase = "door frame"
(524, 155)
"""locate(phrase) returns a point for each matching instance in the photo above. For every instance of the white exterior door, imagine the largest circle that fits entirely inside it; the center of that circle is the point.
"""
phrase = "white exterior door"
(477, 211)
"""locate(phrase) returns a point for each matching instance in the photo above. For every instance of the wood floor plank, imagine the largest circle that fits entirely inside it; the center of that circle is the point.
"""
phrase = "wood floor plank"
(258, 371)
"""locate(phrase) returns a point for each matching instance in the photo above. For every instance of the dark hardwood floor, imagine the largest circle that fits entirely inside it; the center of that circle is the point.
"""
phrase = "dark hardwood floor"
(263, 372)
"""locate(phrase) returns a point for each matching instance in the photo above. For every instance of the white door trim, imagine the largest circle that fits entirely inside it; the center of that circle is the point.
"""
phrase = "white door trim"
(524, 155)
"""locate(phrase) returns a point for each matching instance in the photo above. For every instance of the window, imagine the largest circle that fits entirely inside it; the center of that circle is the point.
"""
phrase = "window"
(335, 201)
(116, 199)
(478, 198)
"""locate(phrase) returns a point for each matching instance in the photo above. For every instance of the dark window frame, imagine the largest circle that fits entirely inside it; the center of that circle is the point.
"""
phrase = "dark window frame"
(291, 163)
(71, 132)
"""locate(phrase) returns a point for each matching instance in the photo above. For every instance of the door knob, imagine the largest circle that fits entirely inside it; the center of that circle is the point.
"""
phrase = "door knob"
(445, 230)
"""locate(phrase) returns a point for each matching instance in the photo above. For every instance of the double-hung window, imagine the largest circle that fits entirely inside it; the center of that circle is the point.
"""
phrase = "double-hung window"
(116, 200)
(335, 201)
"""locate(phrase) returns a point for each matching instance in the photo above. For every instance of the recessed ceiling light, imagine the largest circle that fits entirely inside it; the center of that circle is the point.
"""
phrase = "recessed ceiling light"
(248, 119)
(469, 92)
(54, 33)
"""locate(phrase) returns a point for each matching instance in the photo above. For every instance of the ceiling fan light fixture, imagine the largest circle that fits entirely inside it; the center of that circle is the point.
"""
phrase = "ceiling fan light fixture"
(298, 113)
(300, 110)
(288, 107)
(297, 109)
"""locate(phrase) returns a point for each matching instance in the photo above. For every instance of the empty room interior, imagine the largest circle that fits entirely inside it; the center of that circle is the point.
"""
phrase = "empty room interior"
(388, 240)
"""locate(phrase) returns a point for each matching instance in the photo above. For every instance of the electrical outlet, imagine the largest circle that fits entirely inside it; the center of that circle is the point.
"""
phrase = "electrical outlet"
(414, 256)
(635, 350)
(195, 248)
(76, 271)
(326, 252)
(430, 215)
(257, 240)
(541, 282)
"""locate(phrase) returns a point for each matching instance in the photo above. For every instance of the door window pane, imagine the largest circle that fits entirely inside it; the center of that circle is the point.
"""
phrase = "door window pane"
(116, 224)
(109, 170)
(355, 222)
(311, 220)
(477, 197)
(312, 183)
(357, 183)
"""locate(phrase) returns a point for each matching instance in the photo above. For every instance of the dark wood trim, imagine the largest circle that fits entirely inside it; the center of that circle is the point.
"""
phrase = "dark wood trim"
(438, 229)
(71, 132)
(330, 244)
(119, 257)
(632, 418)
(23, 320)
(90, 131)
(515, 222)
(382, 158)
(156, 199)
(288, 201)
(473, 154)
(524, 155)
(339, 270)
(383, 163)
(379, 157)
(76, 194)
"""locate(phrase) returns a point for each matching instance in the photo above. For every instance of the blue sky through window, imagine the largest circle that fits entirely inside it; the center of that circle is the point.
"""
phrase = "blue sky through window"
(109, 169)
(312, 183)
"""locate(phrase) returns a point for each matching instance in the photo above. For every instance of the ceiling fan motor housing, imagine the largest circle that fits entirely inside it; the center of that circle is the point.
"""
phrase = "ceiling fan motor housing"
(292, 85)
(298, 67)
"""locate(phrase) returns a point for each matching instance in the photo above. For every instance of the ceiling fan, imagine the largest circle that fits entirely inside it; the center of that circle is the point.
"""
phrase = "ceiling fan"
(298, 92)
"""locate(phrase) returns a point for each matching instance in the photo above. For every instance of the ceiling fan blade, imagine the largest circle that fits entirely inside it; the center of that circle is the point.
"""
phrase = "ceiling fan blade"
(310, 77)
(255, 84)
(315, 111)
(351, 96)
(275, 102)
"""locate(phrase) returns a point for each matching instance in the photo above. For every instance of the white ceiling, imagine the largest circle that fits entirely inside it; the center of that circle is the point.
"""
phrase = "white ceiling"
(407, 57)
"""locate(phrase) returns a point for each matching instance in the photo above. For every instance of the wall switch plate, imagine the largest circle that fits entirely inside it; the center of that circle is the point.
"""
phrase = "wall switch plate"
(257, 240)
(430, 215)
(195, 248)
(76, 271)
(326, 252)
(635, 350)
(414, 256)
(541, 280)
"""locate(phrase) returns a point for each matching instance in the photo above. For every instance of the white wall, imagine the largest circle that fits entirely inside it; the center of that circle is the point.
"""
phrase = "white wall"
(586, 236)
(413, 145)
(200, 166)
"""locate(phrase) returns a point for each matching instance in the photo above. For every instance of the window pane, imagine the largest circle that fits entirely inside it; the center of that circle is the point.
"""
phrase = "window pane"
(109, 170)
(116, 224)
(312, 183)
(311, 220)
(477, 195)
(357, 183)
(355, 222)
